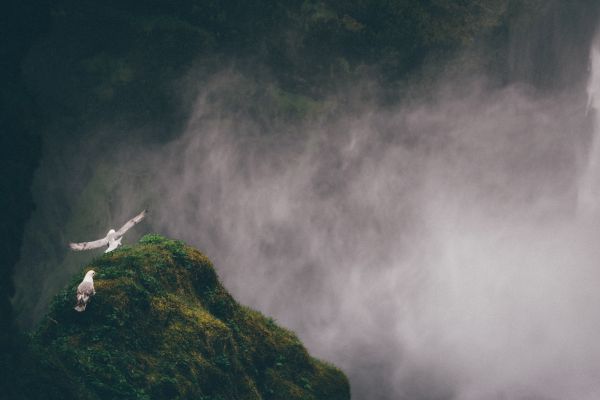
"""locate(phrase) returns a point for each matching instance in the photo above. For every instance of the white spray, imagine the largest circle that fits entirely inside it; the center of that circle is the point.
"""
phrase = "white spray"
(589, 191)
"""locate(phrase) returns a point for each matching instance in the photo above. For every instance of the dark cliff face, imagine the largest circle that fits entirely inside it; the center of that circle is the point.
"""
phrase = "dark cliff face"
(20, 144)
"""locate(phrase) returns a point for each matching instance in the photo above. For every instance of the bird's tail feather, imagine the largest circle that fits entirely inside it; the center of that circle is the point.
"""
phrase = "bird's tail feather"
(81, 302)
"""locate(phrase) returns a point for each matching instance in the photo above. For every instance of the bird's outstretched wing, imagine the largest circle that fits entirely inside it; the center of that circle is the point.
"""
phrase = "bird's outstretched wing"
(129, 224)
(89, 245)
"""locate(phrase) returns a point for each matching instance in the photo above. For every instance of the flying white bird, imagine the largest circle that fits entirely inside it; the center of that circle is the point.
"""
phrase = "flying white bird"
(112, 238)
(85, 291)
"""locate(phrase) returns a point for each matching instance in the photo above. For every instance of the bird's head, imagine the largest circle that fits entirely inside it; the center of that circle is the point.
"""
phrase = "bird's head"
(90, 273)
(111, 232)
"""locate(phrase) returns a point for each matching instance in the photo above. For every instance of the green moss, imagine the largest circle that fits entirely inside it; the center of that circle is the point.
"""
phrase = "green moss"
(291, 105)
(162, 326)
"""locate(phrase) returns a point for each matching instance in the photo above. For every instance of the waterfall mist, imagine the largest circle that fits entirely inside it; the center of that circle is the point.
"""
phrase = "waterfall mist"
(443, 248)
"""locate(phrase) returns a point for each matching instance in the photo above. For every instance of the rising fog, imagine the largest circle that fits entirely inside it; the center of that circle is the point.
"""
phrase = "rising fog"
(443, 248)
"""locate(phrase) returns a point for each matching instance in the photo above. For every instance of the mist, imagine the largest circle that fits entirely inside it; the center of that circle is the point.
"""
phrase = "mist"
(441, 248)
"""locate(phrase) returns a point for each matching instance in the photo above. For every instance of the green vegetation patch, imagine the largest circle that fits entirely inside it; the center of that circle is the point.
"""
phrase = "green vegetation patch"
(162, 326)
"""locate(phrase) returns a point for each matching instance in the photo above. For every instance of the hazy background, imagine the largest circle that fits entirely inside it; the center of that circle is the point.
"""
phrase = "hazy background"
(434, 247)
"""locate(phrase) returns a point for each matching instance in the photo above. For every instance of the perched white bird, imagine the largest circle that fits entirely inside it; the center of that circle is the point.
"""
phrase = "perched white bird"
(85, 291)
(112, 238)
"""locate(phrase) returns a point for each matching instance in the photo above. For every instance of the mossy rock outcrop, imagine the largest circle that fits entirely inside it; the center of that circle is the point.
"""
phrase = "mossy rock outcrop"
(161, 326)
